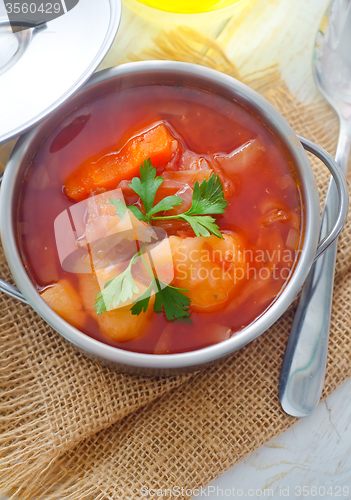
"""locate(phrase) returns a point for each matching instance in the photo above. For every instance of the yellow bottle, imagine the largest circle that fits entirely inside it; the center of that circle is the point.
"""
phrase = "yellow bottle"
(188, 6)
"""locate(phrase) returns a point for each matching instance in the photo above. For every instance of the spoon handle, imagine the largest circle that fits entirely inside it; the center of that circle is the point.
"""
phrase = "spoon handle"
(303, 369)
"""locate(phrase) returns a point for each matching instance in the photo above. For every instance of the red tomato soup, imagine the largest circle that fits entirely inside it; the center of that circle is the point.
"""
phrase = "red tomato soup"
(189, 135)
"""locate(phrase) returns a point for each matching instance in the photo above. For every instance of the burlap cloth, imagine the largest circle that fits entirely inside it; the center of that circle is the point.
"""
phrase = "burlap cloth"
(72, 429)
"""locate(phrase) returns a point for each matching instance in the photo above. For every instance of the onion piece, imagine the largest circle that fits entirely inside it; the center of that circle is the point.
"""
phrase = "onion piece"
(275, 216)
(174, 227)
(293, 239)
(215, 333)
(283, 182)
(192, 161)
(277, 211)
(164, 341)
(241, 158)
(230, 186)
(187, 176)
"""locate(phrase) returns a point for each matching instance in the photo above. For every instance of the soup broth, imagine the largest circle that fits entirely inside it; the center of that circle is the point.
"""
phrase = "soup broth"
(230, 281)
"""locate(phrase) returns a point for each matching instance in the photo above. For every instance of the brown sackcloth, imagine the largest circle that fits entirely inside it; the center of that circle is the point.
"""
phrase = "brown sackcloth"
(71, 429)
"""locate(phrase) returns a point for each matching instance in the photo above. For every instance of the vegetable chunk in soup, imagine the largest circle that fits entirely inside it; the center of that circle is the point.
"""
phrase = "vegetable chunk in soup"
(191, 218)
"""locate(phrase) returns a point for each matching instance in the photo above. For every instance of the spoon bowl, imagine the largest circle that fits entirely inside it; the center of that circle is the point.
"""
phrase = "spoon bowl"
(332, 57)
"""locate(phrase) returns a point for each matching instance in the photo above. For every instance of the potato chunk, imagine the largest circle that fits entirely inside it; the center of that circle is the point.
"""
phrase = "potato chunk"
(65, 301)
(210, 268)
(120, 324)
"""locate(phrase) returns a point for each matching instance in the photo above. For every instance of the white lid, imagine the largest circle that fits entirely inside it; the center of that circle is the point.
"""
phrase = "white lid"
(41, 67)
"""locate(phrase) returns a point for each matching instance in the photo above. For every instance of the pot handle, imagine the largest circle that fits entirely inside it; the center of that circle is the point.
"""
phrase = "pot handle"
(6, 287)
(342, 190)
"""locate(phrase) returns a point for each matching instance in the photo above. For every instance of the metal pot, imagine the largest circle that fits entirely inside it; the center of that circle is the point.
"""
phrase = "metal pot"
(146, 73)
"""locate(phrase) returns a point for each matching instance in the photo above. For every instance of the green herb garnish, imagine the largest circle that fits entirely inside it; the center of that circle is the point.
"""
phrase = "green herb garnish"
(169, 299)
(120, 207)
(146, 187)
(117, 290)
(207, 199)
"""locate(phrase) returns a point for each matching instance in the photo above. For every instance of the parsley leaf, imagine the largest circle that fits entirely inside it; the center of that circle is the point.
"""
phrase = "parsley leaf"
(99, 304)
(138, 213)
(203, 225)
(143, 301)
(208, 197)
(146, 187)
(148, 184)
(117, 290)
(120, 207)
(173, 302)
(169, 299)
(166, 204)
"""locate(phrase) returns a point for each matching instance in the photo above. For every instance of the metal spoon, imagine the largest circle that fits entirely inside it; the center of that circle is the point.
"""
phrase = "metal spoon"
(303, 369)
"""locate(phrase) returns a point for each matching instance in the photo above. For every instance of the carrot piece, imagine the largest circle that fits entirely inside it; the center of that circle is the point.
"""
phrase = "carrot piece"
(105, 172)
